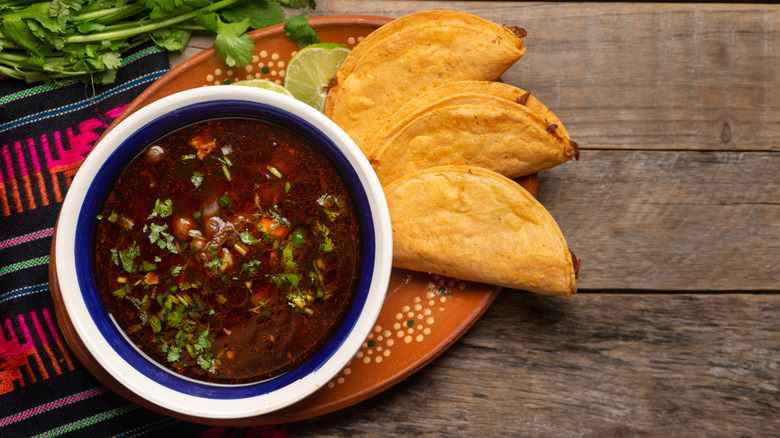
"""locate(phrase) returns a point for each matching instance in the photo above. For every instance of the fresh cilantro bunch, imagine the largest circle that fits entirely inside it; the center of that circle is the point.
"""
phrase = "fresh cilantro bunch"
(41, 41)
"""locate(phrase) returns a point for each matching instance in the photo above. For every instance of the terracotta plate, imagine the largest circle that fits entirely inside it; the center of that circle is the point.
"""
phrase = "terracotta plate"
(423, 314)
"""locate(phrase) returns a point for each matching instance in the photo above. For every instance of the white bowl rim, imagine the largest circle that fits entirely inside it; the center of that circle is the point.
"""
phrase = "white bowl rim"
(188, 404)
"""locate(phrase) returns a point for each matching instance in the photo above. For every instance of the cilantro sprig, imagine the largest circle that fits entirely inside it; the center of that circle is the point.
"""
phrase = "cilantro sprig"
(46, 40)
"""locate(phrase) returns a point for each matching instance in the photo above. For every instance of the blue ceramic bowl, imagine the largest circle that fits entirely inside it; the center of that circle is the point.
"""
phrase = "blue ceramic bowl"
(106, 342)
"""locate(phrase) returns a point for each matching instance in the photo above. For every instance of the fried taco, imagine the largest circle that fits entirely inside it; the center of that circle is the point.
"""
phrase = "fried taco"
(416, 54)
(475, 129)
(414, 107)
(477, 225)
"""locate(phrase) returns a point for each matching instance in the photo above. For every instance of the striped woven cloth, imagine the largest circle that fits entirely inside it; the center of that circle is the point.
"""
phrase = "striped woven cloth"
(46, 131)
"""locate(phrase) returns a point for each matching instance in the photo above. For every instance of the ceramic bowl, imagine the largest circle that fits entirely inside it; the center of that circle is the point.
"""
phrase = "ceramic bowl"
(112, 357)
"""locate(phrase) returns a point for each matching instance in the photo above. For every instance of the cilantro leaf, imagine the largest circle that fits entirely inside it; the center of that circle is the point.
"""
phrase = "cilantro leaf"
(46, 40)
(327, 245)
(300, 31)
(247, 238)
(232, 44)
(298, 3)
(224, 201)
(261, 13)
(128, 257)
(196, 178)
(161, 209)
(174, 353)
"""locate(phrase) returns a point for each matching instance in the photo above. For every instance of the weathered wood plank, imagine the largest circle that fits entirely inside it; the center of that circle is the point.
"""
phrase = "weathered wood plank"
(670, 220)
(624, 76)
(596, 365)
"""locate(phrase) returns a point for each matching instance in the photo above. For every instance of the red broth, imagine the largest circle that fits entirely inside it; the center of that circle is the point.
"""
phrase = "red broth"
(228, 251)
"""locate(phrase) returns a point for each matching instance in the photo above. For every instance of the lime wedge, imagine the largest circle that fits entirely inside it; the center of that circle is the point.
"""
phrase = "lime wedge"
(310, 70)
(263, 83)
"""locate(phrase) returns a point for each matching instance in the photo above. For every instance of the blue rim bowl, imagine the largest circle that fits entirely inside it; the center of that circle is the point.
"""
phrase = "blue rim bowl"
(105, 341)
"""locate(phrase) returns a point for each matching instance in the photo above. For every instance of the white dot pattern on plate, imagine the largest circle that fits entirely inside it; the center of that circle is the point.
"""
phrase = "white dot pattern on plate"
(263, 65)
(413, 322)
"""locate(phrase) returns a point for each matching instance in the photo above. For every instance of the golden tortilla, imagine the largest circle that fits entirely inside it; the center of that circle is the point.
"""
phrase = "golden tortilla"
(413, 108)
(413, 58)
(477, 225)
(475, 129)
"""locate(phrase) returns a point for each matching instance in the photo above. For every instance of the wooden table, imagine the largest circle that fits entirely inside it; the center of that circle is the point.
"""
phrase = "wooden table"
(674, 209)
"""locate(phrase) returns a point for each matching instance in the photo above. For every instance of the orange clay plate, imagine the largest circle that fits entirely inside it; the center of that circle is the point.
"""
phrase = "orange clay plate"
(423, 314)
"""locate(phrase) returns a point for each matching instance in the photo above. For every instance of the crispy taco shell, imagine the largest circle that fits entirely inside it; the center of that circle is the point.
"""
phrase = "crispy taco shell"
(477, 225)
(413, 108)
(412, 59)
(475, 129)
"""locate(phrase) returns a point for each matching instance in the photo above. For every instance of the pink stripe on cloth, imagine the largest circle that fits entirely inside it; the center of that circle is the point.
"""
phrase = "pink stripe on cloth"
(20, 158)
(53, 405)
(27, 237)
(49, 322)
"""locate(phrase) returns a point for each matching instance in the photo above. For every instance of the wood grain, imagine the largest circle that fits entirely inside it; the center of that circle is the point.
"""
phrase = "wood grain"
(597, 365)
(667, 220)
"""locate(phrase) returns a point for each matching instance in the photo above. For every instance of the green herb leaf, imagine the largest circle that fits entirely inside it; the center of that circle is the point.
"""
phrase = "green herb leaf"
(261, 13)
(174, 354)
(161, 209)
(299, 3)
(300, 31)
(247, 238)
(327, 245)
(251, 267)
(203, 342)
(196, 178)
(292, 278)
(121, 292)
(224, 201)
(156, 232)
(155, 323)
(127, 258)
(232, 44)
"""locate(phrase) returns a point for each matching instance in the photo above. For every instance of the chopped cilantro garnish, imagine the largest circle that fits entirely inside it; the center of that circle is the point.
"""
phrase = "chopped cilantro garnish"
(248, 238)
(292, 278)
(163, 239)
(224, 201)
(127, 258)
(214, 265)
(251, 267)
(155, 323)
(121, 292)
(196, 178)
(161, 209)
(174, 353)
(327, 245)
